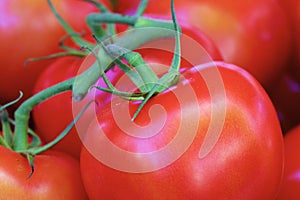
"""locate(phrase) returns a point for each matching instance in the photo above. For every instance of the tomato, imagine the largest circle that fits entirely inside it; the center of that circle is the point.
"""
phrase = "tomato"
(56, 176)
(286, 98)
(252, 34)
(59, 109)
(29, 29)
(292, 8)
(215, 135)
(196, 46)
(291, 182)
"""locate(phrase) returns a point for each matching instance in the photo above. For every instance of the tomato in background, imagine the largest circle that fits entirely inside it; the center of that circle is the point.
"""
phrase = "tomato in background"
(292, 8)
(290, 189)
(56, 176)
(196, 46)
(252, 34)
(28, 29)
(250, 144)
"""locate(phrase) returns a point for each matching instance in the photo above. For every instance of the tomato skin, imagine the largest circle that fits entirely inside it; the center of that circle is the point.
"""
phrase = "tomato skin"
(291, 182)
(56, 176)
(292, 9)
(250, 145)
(252, 34)
(29, 29)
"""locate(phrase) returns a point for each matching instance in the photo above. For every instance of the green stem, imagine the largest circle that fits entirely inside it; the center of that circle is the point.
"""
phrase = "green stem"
(135, 77)
(135, 59)
(68, 28)
(131, 40)
(173, 75)
(141, 8)
(55, 55)
(125, 95)
(6, 129)
(99, 5)
(23, 112)
(36, 140)
(177, 50)
(111, 88)
(111, 28)
(135, 21)
(37, 150)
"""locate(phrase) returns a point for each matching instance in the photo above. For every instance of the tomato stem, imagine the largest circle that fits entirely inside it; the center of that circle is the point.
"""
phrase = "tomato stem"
(111, 28)
(30, 159)
(147, 75)
(131, 40)
(23, 112)
(135, 21)
(7, 139)
(99, 5)
(173, 75)
(141, 8)
(78, 40)
(40, 149)
(135, 77)
(111, 87)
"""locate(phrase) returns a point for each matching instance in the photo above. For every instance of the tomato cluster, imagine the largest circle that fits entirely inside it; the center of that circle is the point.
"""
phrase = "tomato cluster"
(122, 110)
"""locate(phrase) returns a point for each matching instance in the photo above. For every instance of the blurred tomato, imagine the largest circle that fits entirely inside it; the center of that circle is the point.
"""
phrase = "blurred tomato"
(28, 29)
(252, 34)
(292, 8)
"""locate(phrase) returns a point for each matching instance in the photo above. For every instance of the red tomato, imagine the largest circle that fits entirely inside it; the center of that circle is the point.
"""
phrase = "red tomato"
(56, 176)
(28, 29)
(291, 181)
(251, 34)
(169, 150)
(292, 8)
(196, 46)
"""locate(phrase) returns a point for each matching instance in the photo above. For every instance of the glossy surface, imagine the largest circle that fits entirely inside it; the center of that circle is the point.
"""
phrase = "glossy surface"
(250, 143)
(56, 176)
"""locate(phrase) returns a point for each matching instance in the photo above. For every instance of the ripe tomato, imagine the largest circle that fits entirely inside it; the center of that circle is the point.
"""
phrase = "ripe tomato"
(251, 34)
(169, 150)
(56, 176)
(28, 29)
(291, 181)
(292, 8)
